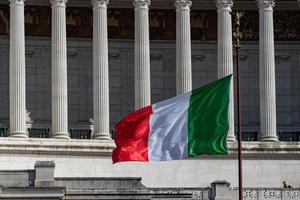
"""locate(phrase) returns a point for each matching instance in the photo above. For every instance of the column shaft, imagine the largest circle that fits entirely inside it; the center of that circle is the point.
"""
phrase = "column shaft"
(142, 54)
(17, 96)
(183, 47)
(225, 62)
(59, 71)
(100, 70)
(267, 71)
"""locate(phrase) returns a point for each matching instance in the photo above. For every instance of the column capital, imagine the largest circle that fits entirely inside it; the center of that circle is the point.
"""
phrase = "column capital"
(224, 4)
(100, 3)
(141, 3)
(183, 4)
(265, 4)
(20, 2)
(58, 2)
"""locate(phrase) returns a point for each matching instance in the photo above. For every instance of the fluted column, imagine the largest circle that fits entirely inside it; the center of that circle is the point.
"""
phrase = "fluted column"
(225, 62)
(183, 47)
(142, 54)
(267, 71)
(100, 70)
(59, 71)
(17, 96)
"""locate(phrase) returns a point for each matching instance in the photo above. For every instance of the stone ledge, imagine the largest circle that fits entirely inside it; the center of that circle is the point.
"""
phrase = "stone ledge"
(31, 192)
(56, 147)
(44, 164)
(268, 148)
(96, 148)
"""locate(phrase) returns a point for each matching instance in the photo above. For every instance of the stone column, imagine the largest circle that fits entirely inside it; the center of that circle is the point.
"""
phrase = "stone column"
(267, 71)
(59, 71)
(100, 70)
(225, 62)
(17, 96)
(142, 54)
(183, 47)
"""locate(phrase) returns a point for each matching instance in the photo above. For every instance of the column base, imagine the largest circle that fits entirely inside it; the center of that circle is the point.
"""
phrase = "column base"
(61, 135)
(18, 134)
(269, 138)
(102, 136)
(231, 138)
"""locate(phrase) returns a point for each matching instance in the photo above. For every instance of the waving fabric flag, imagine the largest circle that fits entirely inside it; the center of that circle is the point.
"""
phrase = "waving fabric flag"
(186, 125)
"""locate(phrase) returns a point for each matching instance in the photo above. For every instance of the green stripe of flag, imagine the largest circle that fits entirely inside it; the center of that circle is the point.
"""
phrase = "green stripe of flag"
(208, 118)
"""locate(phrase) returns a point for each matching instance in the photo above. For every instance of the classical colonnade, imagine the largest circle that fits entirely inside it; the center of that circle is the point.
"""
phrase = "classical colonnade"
(142, 64)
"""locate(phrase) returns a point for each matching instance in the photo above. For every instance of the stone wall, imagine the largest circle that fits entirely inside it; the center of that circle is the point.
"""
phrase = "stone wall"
(43, 185)
(265, 164)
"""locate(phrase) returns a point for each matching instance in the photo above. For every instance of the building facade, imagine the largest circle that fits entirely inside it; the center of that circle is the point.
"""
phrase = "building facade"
(70, 70)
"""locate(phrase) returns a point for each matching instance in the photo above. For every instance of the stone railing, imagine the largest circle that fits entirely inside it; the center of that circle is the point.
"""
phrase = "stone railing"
(222, 189)
(191, 193)
(271, 194)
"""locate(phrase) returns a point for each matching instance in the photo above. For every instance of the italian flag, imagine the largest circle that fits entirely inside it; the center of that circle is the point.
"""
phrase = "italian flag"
(186, 125)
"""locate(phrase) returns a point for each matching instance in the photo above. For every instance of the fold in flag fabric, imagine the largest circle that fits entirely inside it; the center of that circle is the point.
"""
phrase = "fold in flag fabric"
(186, 125)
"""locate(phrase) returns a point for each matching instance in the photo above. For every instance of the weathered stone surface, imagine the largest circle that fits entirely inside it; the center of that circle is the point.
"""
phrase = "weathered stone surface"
(16, 179)
(47, 164)
(55, 147)
(44, 174)
(32, 193)
(104, 183)
(265, 163)
(132, 188)
(220, 190)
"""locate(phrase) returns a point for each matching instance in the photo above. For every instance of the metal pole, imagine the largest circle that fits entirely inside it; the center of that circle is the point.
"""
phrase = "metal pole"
(238, 35)
(239, 126)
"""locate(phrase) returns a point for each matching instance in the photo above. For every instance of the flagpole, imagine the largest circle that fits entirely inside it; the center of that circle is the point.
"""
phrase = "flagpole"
(238, 35)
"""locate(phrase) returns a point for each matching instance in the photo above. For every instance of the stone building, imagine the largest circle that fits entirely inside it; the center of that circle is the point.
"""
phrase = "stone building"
(70, 70)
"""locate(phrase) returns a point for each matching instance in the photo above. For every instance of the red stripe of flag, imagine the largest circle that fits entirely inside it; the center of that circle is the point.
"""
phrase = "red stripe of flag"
(132, 136)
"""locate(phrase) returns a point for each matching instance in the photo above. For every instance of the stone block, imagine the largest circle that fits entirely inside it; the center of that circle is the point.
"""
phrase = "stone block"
(14, 179)
(220, 190)
(44, 174)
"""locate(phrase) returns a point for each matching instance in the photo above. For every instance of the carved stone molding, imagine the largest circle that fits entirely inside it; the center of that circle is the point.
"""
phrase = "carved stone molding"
(195, 193)
(95, 148)
(114, 56)
(56, 147)
(292, 194)
(20, 2)
(28, 117)
(100, 3)
(271, 194)
(250, 194)
(281, 58)
(224, 4)
(198, 58)
(265, 4)
(58, 2)
(155, 57)
(181, 4)
(72, 54)
(141, 3)
(29, 53)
